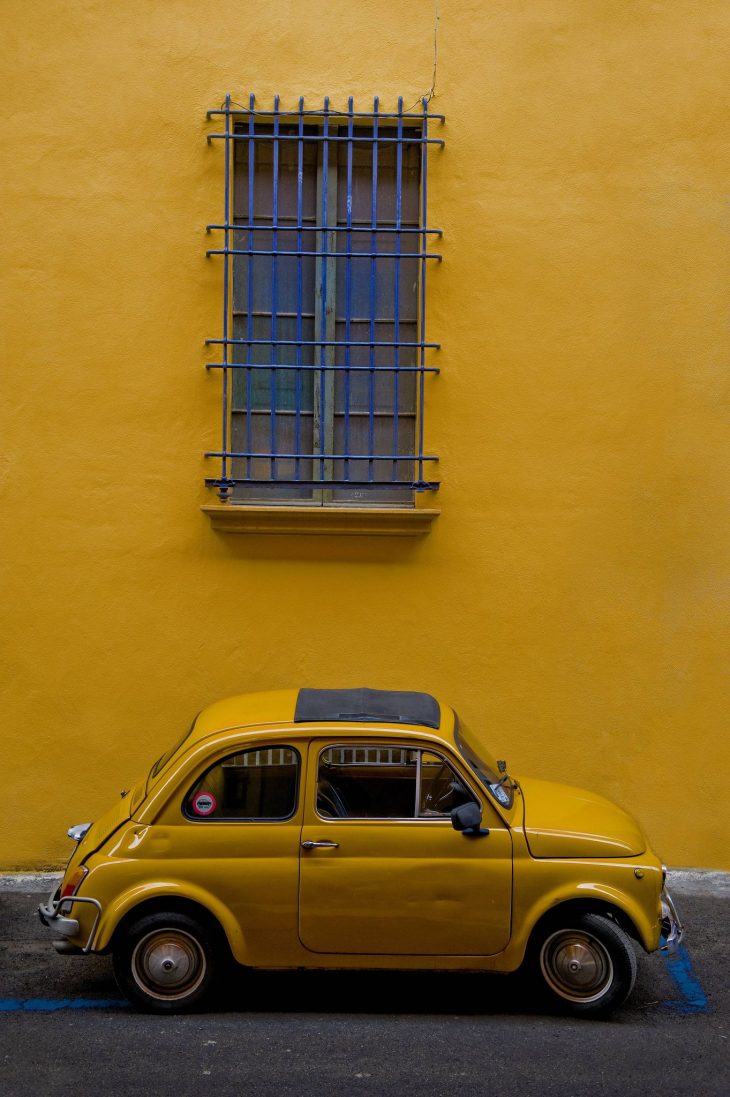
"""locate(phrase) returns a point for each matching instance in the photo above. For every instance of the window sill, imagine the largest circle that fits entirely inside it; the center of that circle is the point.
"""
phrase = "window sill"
(347, 521)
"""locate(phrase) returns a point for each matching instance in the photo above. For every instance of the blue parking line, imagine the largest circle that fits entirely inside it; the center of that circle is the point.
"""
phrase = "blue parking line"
(692, 998)
(49, 1005)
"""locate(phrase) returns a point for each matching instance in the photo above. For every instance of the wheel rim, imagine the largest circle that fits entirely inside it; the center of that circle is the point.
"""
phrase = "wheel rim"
(168, 964)
(576, 965)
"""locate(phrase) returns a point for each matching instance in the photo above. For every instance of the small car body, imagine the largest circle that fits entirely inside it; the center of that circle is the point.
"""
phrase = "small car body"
(355, 829)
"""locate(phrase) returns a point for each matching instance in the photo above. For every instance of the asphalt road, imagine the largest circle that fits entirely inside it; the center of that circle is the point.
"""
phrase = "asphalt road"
(65, 1030)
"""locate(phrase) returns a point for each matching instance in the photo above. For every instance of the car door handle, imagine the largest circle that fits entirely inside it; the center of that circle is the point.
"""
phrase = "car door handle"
(320, 845)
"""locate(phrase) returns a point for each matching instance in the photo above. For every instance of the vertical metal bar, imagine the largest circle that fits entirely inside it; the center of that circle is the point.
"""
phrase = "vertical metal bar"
(300, 215)
(274, 278)
(373, 291)
(348, 286)
(422, 325)
(325, 313)
(328, 378)
(322, 265)
(251, 145)
(396, 289)
(223, 487)
(324, 286)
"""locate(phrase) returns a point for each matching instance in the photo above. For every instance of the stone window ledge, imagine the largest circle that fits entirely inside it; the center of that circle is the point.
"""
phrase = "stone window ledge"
(347, 521)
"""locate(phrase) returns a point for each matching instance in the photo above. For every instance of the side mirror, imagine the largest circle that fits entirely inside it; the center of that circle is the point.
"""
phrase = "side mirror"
(468, 819)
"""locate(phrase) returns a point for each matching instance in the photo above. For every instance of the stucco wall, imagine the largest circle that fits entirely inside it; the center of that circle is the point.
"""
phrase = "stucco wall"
(573, 598)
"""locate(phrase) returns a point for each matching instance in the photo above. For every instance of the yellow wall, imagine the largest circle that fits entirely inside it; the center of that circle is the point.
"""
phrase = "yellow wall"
(573, 599)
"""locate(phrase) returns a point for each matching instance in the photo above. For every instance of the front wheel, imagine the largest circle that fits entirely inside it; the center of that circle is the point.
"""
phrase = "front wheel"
(165, 963)
(587, 966)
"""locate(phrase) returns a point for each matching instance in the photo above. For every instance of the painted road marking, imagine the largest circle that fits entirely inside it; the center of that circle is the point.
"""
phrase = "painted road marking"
(692, 998)
(47, 1005)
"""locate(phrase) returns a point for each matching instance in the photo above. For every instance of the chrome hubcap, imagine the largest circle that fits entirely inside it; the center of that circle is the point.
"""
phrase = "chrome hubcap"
(576, 965)
(168, 964)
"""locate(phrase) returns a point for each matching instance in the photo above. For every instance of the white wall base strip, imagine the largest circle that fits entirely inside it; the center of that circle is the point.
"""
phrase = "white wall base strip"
(699, 881)
(30, 882)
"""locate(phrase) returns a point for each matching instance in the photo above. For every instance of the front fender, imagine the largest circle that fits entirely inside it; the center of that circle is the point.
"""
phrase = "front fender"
(646, 924)
(173, 889)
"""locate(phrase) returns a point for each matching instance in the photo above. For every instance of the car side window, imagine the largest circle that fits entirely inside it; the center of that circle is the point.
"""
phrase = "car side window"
(253, 785)
(378, 782)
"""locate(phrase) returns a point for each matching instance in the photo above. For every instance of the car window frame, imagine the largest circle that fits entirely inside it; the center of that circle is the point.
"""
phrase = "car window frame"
(439, 749)
(301, 777)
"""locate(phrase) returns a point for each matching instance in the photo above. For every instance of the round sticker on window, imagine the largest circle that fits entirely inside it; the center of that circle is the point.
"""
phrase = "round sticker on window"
(204, 803)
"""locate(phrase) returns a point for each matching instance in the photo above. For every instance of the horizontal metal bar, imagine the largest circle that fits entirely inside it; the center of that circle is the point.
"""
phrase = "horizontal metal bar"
(356, 139)
(285, 314)
(307, 413)
(414, 485)
(326, 254)
(281, 314)
(296, 226)
(317, 343)
(289, 221)
(321, 456)
(320, 113)
(320, 369)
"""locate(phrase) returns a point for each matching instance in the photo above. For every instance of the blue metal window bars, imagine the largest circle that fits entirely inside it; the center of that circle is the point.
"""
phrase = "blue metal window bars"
(323, 351)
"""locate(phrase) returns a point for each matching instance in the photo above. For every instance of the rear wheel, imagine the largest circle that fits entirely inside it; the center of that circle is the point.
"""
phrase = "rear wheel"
(587, 966)
(165, 962)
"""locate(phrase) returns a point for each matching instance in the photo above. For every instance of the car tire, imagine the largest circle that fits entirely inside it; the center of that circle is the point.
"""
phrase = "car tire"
(587, 965)
(165, 962)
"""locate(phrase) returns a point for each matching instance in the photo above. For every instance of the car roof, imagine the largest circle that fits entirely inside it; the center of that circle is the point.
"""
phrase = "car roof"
(304, 707)
(368, 706)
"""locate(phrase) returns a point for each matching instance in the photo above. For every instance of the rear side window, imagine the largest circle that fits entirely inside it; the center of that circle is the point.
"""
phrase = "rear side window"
(252, 785)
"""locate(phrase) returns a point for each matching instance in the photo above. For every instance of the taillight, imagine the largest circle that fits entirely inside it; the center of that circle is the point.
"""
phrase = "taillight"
(72, 885)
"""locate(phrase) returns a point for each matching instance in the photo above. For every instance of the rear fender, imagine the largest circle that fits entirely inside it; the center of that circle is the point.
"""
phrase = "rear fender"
(172, 889)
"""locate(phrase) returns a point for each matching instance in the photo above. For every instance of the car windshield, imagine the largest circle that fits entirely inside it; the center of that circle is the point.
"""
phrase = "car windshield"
(162, 761)
(500, 787)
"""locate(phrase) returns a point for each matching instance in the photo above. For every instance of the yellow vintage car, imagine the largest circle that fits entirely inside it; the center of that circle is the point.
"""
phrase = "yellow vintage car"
(356, 829)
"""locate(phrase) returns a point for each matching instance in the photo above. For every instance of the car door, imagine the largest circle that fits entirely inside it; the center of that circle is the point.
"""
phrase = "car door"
(382, 870)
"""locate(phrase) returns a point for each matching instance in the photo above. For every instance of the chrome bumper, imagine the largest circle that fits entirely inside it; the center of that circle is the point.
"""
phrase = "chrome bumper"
(672, 928)
(50, 915)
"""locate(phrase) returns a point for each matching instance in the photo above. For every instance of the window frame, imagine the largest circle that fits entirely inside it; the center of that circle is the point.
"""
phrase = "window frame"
(419, 749)
(324, 486)
(191, 818)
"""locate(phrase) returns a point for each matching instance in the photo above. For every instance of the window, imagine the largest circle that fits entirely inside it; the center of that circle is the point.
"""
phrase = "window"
(378, 782)
(323, 351)
(252, 785)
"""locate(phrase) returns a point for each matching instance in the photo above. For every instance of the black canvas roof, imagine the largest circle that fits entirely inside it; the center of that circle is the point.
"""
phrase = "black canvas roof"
(367, 705)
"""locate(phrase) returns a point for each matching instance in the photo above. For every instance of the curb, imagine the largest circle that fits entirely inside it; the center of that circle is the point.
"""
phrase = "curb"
(30, 883)
(682, 881)
(697, 881)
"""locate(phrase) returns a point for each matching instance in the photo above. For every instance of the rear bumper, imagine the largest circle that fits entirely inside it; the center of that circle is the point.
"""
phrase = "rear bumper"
(66, 928)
